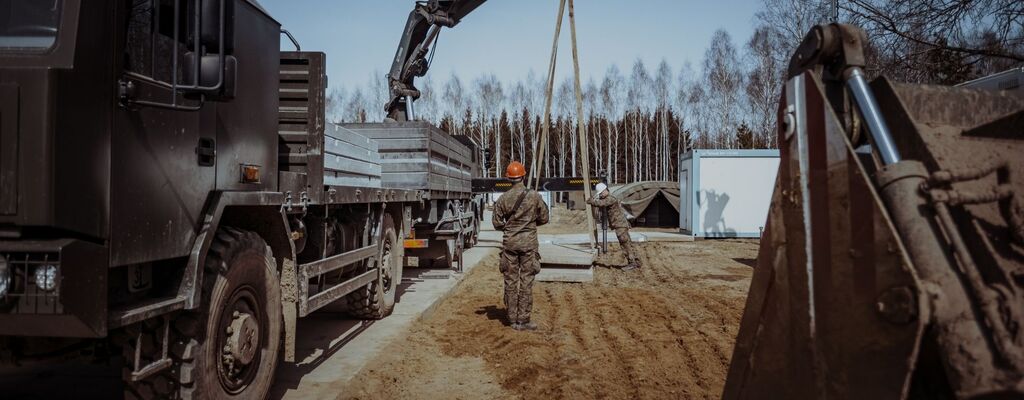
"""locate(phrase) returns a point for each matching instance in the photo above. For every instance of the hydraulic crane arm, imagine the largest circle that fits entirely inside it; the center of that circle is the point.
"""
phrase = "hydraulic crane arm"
(421, 30)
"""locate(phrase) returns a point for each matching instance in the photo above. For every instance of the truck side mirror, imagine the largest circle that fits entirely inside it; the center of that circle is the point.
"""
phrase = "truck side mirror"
(209, 78)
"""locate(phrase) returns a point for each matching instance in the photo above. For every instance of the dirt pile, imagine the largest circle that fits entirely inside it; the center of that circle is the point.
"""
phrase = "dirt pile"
(665, 331)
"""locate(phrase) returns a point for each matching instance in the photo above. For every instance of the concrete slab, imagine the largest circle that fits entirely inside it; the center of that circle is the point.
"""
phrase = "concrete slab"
(553, 254)
(565, 263)
(581, 238)
(569, 275)
(667, 237)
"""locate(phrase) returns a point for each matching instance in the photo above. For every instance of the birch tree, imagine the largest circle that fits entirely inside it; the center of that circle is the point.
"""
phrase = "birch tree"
(519, 99)
(724, 80)
(638, 95)
(685, 116)
(489, 96)
(455, 99)
(611, 93)
(591, 98)
(334, 105)
(377, 96)
(764, 83)
(427, 104)
(662, 89)
(355, 107)
(565, 109)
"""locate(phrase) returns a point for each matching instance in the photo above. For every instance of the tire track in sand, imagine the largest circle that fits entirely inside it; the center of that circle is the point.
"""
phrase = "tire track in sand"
(611, 335)
(652, 317)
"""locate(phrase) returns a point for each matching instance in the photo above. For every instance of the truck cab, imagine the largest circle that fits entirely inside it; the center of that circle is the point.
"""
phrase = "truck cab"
(115, 135)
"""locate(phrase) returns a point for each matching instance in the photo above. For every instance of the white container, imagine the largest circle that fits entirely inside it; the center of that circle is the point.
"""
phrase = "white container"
(726, 193)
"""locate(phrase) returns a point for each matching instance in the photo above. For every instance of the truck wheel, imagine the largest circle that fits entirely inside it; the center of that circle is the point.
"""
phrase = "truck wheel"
(229, 348)
(377, 300)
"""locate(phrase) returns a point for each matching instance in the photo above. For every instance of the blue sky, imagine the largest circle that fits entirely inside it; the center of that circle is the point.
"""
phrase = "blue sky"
(510, 37)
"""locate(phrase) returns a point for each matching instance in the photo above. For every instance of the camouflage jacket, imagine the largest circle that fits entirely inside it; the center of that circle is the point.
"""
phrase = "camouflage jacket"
(616, 215)
(519, 225)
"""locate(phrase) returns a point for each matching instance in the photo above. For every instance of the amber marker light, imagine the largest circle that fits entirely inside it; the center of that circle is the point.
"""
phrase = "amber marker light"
(250, 173)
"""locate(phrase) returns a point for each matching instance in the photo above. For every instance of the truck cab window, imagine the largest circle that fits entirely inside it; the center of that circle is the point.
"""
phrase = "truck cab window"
(28, 25)
(151, 44)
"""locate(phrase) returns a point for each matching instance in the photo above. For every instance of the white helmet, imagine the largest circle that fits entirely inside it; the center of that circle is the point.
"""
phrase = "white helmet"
(601, 187)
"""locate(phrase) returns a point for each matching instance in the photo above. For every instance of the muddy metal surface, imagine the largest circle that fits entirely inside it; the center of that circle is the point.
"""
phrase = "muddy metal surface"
(665, 331)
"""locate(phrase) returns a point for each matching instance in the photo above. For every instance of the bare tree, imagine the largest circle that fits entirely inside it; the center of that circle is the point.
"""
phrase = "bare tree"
(519, 99)
(724, 79)
(377, 95)
(764, 82)
(427, 104)
(686, 79)
(334, 104)
(942, 41)
(792, 19)
(662, 90)
(455, 98)
(638, 95)
(490, 96)
(565, 110)
(611, 93)
(535, 89)
(701, 111)
(591, 100)
(355, 107)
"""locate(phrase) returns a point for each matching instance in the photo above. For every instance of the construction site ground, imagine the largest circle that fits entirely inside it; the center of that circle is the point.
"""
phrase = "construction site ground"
(664, 331)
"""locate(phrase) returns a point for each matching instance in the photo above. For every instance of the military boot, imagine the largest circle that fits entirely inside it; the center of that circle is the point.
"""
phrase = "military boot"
(526, 326)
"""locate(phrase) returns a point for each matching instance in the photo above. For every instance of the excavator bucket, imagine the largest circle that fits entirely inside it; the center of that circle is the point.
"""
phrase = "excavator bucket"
(890, 281)
(828, 256)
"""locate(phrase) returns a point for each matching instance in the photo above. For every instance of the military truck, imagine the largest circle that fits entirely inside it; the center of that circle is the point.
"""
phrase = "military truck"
(169, 188)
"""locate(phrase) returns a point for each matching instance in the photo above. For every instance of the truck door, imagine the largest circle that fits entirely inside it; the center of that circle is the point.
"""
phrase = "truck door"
(162, 167)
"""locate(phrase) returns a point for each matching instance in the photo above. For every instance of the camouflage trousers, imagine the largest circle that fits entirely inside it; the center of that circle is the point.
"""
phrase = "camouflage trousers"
(627, 245)
(519, 268)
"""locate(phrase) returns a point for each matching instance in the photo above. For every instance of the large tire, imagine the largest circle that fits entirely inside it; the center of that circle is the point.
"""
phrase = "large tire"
(241, 293)
(377, 300)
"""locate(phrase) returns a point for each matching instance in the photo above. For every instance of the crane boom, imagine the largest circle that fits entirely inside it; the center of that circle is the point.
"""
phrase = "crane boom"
(421, 31)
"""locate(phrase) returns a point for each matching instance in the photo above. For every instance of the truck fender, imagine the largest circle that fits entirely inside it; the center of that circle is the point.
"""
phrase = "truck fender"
(256, 211)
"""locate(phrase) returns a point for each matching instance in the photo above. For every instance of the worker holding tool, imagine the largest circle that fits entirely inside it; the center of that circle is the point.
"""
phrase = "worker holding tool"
(518, 213)
(617, 221)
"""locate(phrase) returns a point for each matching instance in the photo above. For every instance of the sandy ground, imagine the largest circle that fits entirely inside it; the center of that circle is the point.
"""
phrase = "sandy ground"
(665, 331)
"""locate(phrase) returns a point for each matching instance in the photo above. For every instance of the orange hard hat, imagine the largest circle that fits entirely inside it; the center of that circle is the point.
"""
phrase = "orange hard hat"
(515, 170)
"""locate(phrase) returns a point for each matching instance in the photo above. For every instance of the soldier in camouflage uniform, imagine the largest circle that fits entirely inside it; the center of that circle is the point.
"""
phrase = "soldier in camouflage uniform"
(517, 213)
(617, 221)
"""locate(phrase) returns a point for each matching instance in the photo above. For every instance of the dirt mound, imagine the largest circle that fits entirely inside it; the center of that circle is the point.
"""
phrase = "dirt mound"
(665, 331)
